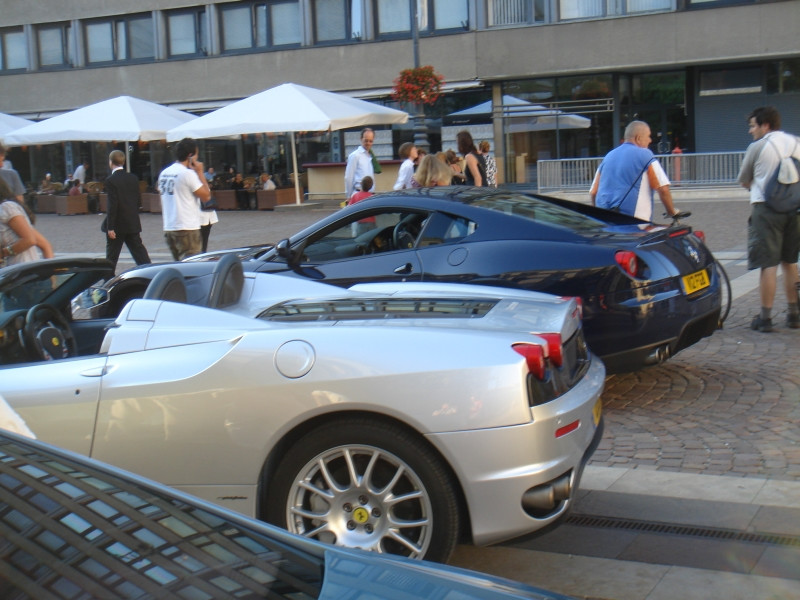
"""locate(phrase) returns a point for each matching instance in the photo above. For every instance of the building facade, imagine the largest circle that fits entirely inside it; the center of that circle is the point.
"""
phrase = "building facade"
(693, 69)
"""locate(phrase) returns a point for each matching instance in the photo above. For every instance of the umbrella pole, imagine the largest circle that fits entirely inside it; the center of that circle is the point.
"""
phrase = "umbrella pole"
(127, 157)
(296, 174)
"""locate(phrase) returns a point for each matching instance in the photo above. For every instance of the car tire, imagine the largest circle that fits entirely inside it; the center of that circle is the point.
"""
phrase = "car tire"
(340, 484)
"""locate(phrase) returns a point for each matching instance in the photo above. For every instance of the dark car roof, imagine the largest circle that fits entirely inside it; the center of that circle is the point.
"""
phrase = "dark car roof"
(595, 223)
(86, 529)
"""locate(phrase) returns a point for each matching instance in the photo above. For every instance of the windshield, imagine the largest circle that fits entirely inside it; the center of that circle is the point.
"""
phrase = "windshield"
(32, 290)
(537, 210)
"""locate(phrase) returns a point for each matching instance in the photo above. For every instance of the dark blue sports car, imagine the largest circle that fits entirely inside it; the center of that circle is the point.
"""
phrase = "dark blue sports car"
(648, 291)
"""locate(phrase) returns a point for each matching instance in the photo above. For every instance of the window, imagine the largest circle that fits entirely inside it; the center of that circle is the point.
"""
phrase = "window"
(284, 23)
(447, 14)
(331, 20)
(714, 3)
(783, 76)
(393, 16)
(187, 33)
(515, 12)
(364, 235)
(13, 49)
(237, 27)
(123, 39)
(638, 6)
(442, 228)
(55, 45)
(580, 9)
(248, 25)
(587, 9)
(730, 81)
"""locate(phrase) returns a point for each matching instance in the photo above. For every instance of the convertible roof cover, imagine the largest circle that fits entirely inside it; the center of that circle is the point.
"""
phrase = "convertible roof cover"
(383, 308)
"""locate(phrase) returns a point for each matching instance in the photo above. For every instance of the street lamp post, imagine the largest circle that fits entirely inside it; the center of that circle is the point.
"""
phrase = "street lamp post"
(420, 129)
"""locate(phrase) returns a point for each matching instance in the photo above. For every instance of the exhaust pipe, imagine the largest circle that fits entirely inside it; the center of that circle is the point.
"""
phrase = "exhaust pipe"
(547, 496)
(658, 355)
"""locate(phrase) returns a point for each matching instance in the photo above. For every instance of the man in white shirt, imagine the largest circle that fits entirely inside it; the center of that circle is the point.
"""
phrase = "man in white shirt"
(773, 237)
(80, 172)
(183, 186)
(359, 163)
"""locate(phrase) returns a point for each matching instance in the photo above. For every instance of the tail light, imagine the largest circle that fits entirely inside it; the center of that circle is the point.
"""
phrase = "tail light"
(686, 231)
(628, 261)
(535, 357)
(579, 300)
(555, 350)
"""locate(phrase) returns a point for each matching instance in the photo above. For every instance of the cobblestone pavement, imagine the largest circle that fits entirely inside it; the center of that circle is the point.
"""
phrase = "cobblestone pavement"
(727, 405)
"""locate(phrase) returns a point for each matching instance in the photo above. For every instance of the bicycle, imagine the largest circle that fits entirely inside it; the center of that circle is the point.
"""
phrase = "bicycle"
(725, 288)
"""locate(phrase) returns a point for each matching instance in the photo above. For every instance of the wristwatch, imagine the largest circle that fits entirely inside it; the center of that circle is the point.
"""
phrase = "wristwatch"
(8, 251)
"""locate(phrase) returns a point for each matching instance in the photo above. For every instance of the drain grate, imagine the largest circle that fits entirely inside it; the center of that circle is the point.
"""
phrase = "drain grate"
(684, 530)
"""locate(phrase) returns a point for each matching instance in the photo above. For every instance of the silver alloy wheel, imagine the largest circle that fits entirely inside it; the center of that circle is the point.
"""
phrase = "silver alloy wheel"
(364, 497)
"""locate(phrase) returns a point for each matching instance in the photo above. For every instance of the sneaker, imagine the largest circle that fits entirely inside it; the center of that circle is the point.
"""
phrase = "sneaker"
(762, 325)
(793, 321)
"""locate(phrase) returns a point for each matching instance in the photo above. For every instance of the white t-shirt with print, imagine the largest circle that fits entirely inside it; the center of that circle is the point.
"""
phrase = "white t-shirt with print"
(180, 208)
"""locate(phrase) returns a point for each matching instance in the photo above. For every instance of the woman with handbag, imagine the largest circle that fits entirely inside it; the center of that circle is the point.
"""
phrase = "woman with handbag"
(19, 240)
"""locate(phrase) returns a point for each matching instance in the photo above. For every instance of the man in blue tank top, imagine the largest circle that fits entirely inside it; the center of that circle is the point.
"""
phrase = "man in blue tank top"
(629, 174)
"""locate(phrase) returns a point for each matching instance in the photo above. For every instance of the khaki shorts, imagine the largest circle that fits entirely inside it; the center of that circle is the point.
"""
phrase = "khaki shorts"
(184, 243)
(772, 238)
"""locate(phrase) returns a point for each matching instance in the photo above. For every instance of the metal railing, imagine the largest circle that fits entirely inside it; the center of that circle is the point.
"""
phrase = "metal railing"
(687, 170)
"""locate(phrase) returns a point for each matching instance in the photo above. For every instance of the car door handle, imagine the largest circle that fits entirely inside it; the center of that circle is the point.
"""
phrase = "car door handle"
(404, 269)
(94, 372)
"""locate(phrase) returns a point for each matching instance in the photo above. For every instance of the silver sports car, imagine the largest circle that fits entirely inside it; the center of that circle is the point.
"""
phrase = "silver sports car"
(399, 419)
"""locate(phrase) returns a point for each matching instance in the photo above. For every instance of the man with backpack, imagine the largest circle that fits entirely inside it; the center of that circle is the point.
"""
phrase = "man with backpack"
(773, 237)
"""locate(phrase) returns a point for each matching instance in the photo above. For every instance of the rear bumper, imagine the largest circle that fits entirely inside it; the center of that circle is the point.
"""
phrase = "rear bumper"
(497, 467)
(627, 332)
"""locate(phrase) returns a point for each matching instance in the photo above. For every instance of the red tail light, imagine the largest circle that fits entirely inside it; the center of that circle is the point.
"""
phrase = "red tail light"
(701, 235)
(579, 300)
(535, 358)
(680, 232)
(554, 348)
(628, 261)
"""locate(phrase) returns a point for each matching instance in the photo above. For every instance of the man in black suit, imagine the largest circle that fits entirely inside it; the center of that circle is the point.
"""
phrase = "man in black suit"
(122, 221)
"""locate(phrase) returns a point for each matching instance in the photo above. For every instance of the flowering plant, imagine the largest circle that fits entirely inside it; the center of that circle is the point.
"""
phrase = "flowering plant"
(418, 85)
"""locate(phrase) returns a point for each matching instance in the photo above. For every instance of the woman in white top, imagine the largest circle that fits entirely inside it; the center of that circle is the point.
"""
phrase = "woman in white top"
(19, 241)
(408, 152)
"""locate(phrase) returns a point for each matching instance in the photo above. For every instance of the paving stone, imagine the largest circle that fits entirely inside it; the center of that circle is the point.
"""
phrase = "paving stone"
(728, 404)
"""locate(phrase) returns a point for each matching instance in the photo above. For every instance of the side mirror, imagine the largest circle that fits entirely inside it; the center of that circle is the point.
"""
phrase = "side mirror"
(284, 250)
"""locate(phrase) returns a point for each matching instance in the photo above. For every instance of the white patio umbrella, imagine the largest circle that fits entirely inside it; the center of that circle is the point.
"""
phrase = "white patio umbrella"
(485, 108)
(525, 116)
(123, 119)
(288, 108)
(9, 123)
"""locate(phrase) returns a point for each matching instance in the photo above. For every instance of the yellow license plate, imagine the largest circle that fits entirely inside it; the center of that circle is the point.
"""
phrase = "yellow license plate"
(695, 282)
(597, 411)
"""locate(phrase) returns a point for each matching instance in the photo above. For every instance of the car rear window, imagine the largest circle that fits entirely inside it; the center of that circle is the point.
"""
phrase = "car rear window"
(538, 210)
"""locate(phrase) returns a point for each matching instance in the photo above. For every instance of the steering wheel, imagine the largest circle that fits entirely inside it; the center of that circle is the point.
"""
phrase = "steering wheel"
(47, 334)
(401, 238)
